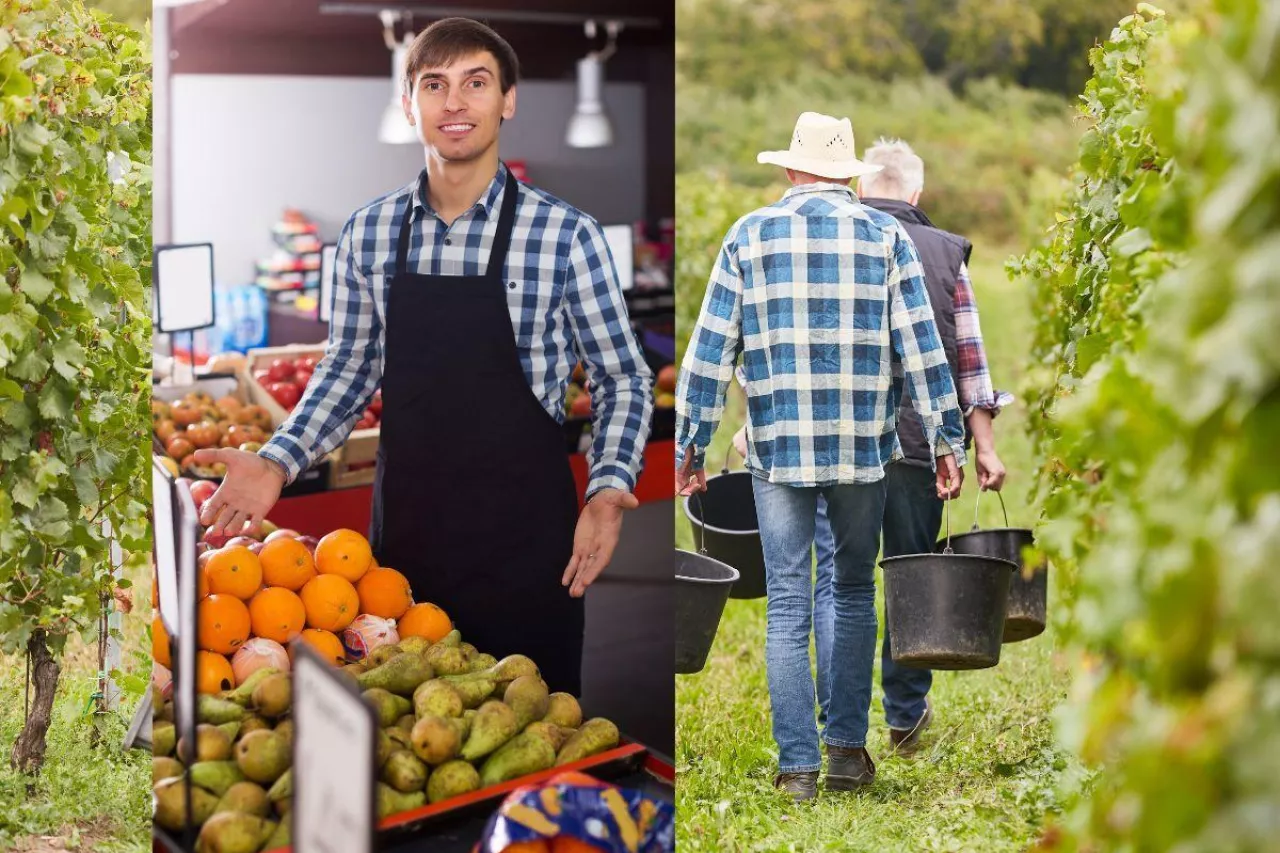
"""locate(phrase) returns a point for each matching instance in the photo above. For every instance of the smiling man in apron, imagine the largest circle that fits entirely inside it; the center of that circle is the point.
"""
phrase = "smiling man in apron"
(470, 298)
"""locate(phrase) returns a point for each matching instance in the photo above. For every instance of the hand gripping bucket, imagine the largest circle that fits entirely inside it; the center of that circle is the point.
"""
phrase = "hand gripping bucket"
(1028, 594)
(946, 610)
(726, 517)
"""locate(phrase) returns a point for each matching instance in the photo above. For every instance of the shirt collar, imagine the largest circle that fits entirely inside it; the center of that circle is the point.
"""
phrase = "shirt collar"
(819, 187)
(484, 206)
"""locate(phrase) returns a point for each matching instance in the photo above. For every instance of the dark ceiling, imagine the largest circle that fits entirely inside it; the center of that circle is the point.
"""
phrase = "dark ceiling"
(328, 37)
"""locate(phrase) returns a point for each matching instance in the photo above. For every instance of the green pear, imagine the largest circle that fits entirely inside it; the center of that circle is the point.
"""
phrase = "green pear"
(400, 675)
(452, 779)
(234, 832)
(528, 697)
(405, 772)
(494, 725)
(474, 691)
(550, 732)
(273, 696)
(171, 805)
(232, 730)
(212, 744)
(243, 694)
(564, 711)
(436, 739)
(389, 706)
(504, 671)
(594, 737)
(447, 660)
(381, 655)
(164, 768)
(437, 697)
(211, 709)
(391, 801)
(520, 756)
(215, 776)
(282, 837)
(481, 663)
(453, 638)
(415, 645)
(282, 788)
(163, 739)
(263, 756)
(245, 797)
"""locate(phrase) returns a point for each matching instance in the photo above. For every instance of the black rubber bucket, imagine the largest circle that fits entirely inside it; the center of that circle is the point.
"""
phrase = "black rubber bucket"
(946, 611)
(725, 516)
(1026, 615)
(702, 588)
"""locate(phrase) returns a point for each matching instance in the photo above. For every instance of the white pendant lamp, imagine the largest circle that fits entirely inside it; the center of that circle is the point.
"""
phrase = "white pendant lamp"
(394, 129)
(589, 126)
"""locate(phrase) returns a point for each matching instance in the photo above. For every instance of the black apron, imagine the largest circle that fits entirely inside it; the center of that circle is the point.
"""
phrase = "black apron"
(474, 500)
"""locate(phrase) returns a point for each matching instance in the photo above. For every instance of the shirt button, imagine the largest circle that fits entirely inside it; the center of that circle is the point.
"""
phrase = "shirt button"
(512, 285)
(448, 241)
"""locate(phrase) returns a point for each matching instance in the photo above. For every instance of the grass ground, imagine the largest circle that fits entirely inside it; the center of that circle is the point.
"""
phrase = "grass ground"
(87, 798)
(987, 772)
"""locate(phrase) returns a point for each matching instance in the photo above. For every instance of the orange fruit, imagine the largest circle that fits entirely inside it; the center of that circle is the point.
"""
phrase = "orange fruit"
(213, 673)
(331, 602)
(286, 563)
(538, 845)
(160, 643)
(277, 614)
(202, 581)
(344, 553)
(224, 624)
(324, 642)
(385, 593)
(424, 620)
(234, 571)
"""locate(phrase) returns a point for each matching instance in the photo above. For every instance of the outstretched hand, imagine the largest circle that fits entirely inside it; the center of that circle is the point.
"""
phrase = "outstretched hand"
(596, 537)
(249, 490)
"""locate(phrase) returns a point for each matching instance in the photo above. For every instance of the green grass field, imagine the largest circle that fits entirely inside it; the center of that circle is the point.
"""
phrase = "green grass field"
(988, 771)
(87, 797)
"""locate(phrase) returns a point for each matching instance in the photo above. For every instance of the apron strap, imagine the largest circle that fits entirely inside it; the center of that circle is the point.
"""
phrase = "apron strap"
(506, 224)
(501, 240)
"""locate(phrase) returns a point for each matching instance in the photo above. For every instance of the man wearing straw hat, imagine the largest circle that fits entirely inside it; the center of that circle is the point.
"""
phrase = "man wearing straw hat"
(818, 294)
(913, 514)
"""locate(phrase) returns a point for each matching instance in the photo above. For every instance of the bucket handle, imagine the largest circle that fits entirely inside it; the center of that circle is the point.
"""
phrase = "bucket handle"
(702, 528)
(1004, 511)
(725, 469)
(948, 502)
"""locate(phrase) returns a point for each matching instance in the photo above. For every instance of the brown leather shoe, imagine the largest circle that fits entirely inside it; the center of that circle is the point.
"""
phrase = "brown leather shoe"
(907, 741)
(849, 769)
(800, 786)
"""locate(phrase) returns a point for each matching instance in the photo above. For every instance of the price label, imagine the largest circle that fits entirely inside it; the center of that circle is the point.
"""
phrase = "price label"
(334, 754)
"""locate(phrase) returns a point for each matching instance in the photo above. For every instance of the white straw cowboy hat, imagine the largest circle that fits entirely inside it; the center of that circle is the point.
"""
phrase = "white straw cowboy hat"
(822, 146)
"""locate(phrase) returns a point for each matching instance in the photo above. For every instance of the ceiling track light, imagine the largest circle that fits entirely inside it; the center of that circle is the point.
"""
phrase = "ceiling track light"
(589, 127)
(394, 129)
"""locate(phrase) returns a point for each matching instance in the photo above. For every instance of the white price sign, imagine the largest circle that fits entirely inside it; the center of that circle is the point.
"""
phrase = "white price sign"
(334, 755)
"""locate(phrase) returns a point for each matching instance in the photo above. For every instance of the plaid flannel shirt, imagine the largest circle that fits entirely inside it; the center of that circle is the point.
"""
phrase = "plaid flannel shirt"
(817, 292)
(562, 295)
(973, 384)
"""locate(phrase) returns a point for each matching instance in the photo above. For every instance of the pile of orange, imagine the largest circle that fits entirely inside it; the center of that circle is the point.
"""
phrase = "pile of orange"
(284, 594)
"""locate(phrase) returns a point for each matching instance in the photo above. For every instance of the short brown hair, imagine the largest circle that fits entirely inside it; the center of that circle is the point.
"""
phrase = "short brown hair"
(451, 38)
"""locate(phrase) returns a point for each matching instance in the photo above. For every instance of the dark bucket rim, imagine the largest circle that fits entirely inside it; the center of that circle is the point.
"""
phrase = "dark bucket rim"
(731, 580)
(1026, 530)
(750, 531)
(887, 561)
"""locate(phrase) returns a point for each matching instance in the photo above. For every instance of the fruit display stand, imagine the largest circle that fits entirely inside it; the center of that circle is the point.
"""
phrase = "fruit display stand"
(222, 759)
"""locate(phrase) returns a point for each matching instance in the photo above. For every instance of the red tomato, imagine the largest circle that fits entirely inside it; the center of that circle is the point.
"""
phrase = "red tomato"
(307, 363)
(280, 370)
(285, 393)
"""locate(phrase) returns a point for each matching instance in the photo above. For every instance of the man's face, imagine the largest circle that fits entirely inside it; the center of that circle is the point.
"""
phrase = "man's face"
(457, 108)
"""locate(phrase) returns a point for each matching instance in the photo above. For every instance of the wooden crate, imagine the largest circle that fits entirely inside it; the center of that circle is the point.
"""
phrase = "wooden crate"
(354, 463)
(350, 465)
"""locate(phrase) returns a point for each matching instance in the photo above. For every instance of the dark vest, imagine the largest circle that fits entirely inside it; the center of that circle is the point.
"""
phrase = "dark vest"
(941, 254)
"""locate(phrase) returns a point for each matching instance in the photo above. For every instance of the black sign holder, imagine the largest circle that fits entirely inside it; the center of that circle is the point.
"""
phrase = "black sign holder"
(328, 278)
(176, 531)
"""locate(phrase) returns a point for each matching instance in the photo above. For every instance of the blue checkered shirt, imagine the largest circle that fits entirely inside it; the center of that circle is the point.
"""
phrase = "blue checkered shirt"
(817, 293)
(565, 305)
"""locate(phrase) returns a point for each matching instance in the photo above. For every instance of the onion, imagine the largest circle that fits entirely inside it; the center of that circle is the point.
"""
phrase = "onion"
(368, 633)
(257, 653)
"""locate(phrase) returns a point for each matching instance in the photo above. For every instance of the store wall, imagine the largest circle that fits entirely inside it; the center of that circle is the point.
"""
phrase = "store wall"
(246, 147)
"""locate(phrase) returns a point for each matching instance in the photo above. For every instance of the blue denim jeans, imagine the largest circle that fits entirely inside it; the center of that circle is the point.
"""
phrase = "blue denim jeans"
(912, 518)
(788, 515)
